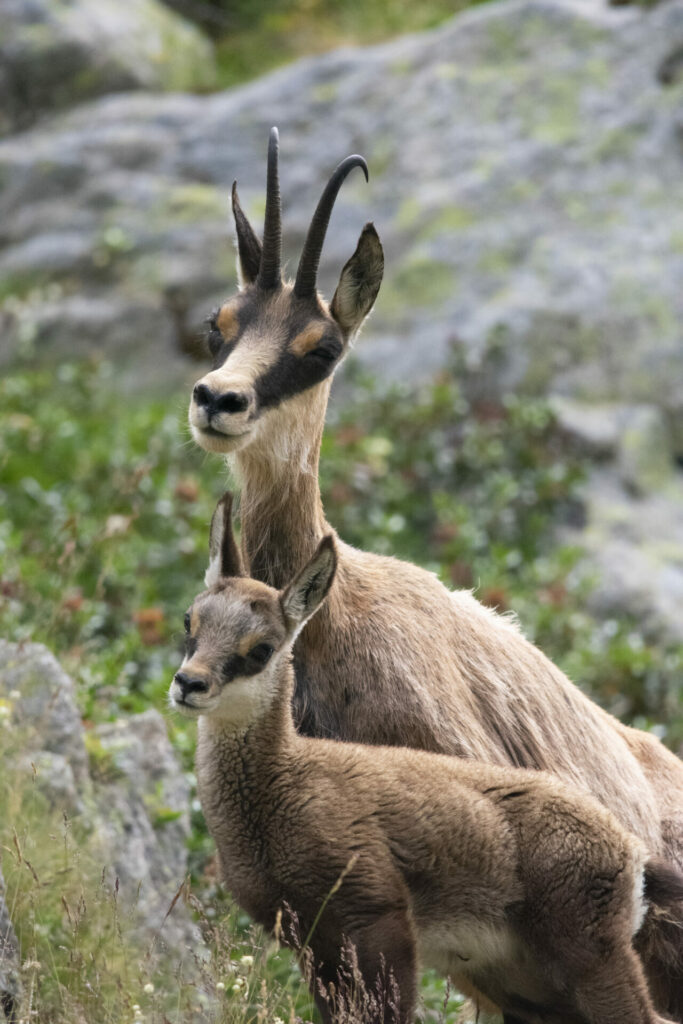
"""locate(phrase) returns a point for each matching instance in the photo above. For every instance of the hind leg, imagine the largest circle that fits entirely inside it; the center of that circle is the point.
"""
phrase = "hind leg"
(617, 993)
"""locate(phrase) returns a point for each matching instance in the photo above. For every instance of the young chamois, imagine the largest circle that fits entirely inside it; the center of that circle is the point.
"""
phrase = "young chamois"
(526, 892)
(393, 657)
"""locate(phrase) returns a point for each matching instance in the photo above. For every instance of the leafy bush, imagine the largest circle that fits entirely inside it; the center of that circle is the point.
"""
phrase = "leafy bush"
(103, 542)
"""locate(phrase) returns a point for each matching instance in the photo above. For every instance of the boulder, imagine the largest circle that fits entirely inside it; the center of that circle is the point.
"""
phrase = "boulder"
(10, 968)
(54, 53)
(526, 180)
(121, 781)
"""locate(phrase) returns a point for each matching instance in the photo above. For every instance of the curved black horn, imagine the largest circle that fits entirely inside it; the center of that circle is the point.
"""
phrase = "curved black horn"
(271, 255)
(306, 275)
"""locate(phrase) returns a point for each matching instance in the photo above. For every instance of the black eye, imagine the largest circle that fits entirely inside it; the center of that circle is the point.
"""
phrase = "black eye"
(325, 353)
(260, 654)
(187, 622)
(214, 338)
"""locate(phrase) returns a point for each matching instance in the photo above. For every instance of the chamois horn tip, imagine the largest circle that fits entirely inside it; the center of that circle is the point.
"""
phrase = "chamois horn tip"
(362, 163)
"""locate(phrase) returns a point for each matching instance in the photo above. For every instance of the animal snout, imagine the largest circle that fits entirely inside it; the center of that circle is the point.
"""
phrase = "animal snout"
(214, 402)
(190, 684)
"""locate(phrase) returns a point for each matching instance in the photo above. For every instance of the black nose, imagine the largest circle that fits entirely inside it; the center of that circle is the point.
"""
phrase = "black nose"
(189, 685)
(229, 401)
(203, 395)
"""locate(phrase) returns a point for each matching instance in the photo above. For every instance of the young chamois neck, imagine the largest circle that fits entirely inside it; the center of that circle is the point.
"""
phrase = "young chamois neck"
(281, 509)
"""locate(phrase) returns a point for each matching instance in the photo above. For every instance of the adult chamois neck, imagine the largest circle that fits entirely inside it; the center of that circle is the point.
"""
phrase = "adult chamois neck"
(281, 509)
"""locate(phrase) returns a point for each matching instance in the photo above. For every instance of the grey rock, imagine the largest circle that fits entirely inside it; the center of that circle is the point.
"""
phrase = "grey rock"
(54, 53)
(143, 801)
(635, 552)
(10, 968)
(123, 782)
(45, 704)
(594, 428)
(644, 459)
(53, 777)
(525, 178)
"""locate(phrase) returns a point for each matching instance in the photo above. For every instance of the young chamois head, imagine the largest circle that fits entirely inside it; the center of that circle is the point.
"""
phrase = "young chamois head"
(238, 630)
(275, 340)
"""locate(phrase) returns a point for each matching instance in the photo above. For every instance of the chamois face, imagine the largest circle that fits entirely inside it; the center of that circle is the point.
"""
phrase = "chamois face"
(239, 630)
(275, 341)
(234, 634)
(266, 349)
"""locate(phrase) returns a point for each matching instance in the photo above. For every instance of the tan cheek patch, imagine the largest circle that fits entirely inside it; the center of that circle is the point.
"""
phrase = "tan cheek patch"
(307, 340)
(194, 621)
(228, 323)
(247, 642)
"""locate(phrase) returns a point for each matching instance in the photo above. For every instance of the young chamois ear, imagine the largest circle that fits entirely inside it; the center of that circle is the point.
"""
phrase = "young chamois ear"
(224, 555)
(359, 282)
(310, 587)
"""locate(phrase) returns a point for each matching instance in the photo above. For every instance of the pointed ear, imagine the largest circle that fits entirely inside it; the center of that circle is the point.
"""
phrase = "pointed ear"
(359, 282)
(224, 556)
(308, 589)
(248, 245)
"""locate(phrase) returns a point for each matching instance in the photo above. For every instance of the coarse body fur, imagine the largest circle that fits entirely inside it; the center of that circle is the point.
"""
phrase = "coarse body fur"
(394, 657)
(522, 890)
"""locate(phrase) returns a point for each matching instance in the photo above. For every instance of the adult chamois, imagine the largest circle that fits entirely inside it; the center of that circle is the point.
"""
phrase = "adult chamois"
(394, 657)
(523, 889)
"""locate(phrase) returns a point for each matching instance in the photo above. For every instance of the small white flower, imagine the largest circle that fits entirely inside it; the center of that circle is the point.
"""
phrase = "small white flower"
(14, 695)
(149, 988)
(4, 711)
(136, 1007)
(237, 985)
(278, 1020)
(220, 986)
(247, 961)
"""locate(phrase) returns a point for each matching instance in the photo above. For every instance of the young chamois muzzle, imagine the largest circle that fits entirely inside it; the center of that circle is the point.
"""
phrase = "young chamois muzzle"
(525, 892)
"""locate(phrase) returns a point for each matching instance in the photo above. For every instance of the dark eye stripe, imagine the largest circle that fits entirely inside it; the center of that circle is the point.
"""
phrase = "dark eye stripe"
(292, 374)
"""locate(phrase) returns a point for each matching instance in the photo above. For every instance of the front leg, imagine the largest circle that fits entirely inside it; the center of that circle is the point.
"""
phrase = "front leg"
(374, 973)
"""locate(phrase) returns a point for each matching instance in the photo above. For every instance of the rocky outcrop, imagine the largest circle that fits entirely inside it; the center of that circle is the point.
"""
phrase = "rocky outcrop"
(123, 785)
(526, 178)
(10, 973)
(55, 53)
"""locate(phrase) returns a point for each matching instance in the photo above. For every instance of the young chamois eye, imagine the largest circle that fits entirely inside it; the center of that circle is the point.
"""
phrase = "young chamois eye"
(186, 622)
(260, 654)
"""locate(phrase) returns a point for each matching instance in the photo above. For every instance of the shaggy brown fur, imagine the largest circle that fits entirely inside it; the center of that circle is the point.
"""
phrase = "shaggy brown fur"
(394, 657)
(510, 882)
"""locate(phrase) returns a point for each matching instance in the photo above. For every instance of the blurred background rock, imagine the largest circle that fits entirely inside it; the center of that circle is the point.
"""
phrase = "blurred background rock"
(512, 415)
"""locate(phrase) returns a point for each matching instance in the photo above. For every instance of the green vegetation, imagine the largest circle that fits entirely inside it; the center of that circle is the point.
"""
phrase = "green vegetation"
(103, 544)
(255, 37)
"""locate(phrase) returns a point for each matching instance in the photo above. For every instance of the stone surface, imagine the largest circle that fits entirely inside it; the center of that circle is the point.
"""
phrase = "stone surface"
(45, 704)
(10, 975)
(121, 780)
(54, 53)
(526, 180)
(635, 551)
(526, 167)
